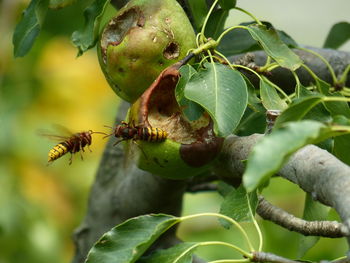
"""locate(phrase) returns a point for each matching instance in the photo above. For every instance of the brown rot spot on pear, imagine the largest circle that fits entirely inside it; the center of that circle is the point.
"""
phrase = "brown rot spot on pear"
(167, 20)
(158, 108)
(119, 26)
(172, 51)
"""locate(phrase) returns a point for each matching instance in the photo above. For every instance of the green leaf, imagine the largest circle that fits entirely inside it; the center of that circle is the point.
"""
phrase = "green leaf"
(274, 47)
(199, 10)
(253, 101)
(222, 92)
(319, 111)
(240, 41)
(297, 110)
(128, 241)
(313, 211)
(269, 96)
(172, 254)
(191, 109)
(224, 189)
(227, 4)
(273, 150)
(252, 122)
(342, 148)
(216, 23)
(86, 38)
(334, 107)
(29, 27)
(338, 35)
(236, 206)
(237, 41)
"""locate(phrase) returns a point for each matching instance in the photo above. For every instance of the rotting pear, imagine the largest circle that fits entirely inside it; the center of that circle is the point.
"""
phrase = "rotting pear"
(144, 37)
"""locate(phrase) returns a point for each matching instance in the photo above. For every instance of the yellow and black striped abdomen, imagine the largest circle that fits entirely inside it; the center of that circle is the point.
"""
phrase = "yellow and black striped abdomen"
(58, 151)
(152, 134)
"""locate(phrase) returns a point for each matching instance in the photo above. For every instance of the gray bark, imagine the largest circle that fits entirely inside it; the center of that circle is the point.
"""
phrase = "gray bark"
(284, 78)
(314, 170)
(119, 193)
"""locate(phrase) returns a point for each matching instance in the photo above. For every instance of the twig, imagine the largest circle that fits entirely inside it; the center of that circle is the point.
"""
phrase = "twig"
(314, 170)
(277, 215)
(269, 257)
(201, 187)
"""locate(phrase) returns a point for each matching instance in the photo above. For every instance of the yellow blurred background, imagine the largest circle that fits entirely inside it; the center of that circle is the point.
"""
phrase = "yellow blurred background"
(41, 205)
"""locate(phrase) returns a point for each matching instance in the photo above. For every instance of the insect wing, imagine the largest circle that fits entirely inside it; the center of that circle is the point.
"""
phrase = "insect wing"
(52, 137)
(61, 133)
(131, 154)
(62, 130)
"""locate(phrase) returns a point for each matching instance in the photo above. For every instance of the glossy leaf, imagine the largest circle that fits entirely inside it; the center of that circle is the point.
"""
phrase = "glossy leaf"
(224, 189)
(86, 38)
(253, 101)
(191, 109)
(334, 107)
(129, 240)
(235, 205)
(313, 211)
(273, 150)
(227, 4)
(338, 35)
(269, 96)
(252, 122)
(342, 148)
(298, 109)
(237, 41)
(216, 23)
(240, 41)
(319, 111)
(29, 27)
(274, 47)
(199, 10)
(171, 254)
(222, 92)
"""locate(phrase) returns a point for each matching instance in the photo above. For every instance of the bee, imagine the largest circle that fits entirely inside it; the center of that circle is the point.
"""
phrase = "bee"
(126, 131)
(68, 143)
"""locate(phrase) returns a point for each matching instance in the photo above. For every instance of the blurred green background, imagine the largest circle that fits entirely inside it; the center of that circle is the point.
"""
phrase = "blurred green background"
(41, 205)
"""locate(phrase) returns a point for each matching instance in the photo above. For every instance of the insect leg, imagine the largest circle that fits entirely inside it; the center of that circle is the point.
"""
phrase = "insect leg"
(71, 158)
(138, 145)
(89, 148)
(80, 143)
(118, 142)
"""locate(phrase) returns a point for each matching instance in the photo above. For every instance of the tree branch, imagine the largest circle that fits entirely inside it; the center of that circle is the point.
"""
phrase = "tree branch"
(308, 228)
(284, 78)
(315, 170)
(269, 257)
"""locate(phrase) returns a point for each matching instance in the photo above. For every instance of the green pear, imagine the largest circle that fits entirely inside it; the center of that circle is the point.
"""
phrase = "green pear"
(189, 147)
(145, 37)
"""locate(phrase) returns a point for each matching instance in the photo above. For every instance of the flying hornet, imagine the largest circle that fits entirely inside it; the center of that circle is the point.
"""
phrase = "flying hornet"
(68, 143)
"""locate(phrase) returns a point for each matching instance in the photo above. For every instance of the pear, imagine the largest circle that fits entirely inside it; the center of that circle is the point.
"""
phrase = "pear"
(144, 37)
(190, 147)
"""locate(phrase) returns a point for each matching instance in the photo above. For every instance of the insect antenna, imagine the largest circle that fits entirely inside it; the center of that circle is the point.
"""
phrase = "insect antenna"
(93, 132)
(108, 135)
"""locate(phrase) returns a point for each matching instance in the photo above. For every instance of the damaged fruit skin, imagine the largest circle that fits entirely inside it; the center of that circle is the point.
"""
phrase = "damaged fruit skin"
(140, 41)
(190, 147)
